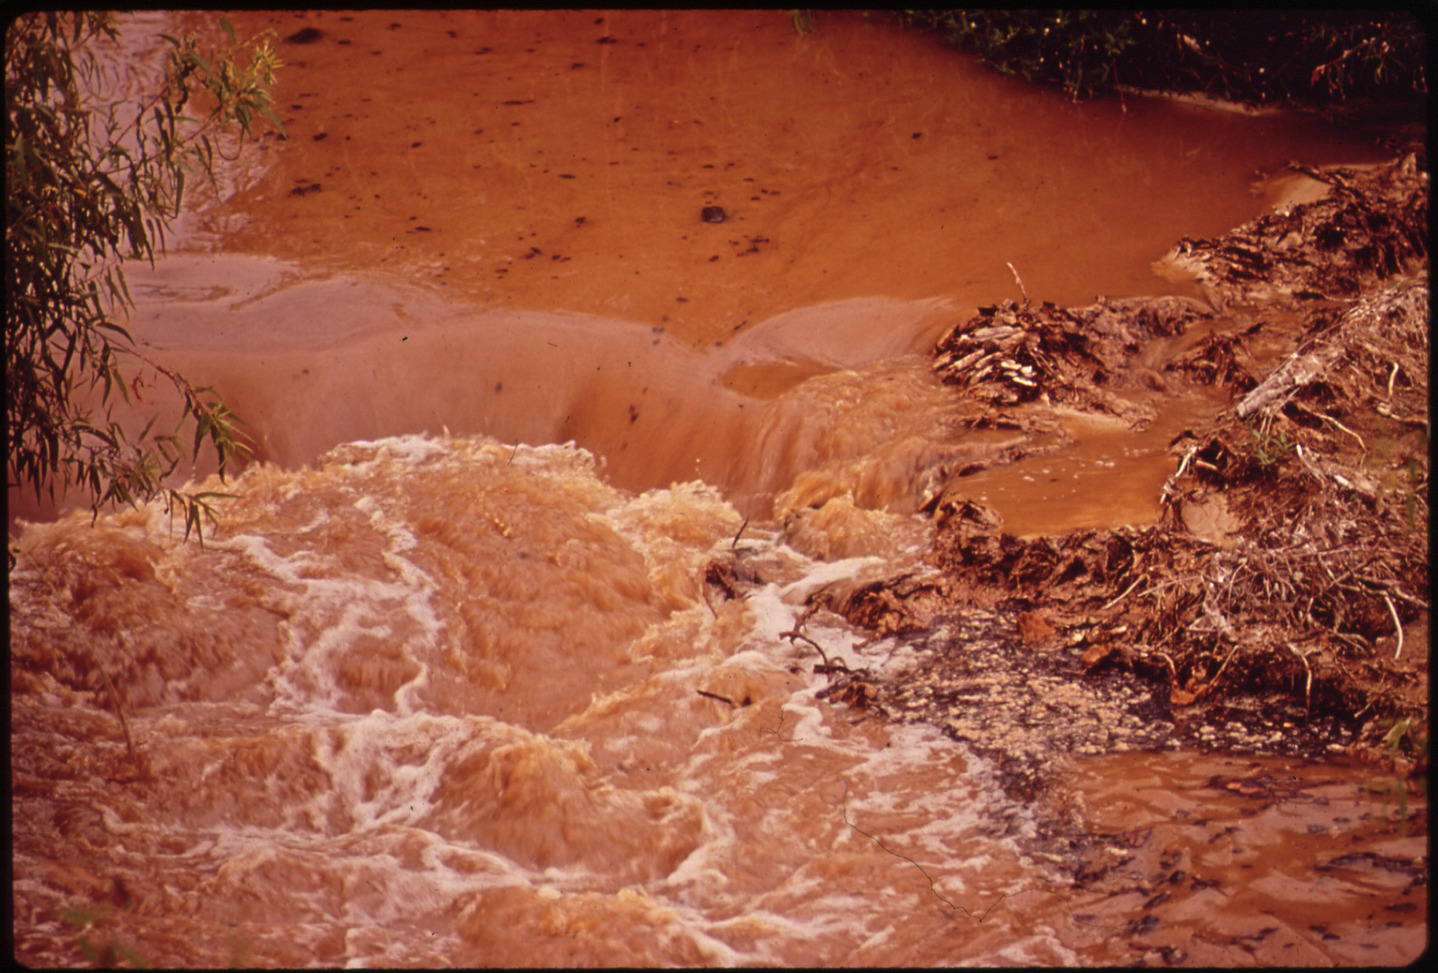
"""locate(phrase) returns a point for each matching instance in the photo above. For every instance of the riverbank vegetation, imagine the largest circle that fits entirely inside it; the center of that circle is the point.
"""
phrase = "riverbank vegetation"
(1258, 57)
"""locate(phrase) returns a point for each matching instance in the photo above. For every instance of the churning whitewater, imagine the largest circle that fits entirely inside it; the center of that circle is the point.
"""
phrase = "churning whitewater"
(446, 700)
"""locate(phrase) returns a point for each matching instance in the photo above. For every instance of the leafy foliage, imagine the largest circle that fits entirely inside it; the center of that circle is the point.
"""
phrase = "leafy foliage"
(1076, 48)
(90, 184)
(1254, 56)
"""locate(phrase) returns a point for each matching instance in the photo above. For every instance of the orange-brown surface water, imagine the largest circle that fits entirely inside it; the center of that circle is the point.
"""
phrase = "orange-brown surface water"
(439, 689)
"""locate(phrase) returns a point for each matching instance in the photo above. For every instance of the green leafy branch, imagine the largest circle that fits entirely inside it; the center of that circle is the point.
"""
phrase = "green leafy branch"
(91, 184)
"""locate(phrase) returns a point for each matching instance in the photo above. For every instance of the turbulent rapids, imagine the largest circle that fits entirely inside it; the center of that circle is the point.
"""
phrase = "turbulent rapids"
(471, 704)
(513, 644)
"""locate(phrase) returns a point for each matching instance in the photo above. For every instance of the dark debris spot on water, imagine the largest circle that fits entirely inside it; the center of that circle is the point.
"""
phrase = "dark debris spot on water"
(713, 214)
(305, 35)
(1144, 925)
(606, 39)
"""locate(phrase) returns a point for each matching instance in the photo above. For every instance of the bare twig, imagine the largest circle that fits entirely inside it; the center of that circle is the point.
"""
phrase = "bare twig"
(1224, 666)
(791, 635)
(1172, 672)
(1405, 596)
(1361, 445)
(1308, 683)
(1122, 596)
(1159, 587)
(1020, 281)
(1397, 625)
(734, 545)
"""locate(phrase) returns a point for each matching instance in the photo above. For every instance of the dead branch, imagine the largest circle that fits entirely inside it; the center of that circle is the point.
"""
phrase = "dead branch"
(795, 634)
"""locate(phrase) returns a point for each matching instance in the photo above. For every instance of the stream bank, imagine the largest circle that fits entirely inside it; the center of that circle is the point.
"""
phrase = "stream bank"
(1279, 606)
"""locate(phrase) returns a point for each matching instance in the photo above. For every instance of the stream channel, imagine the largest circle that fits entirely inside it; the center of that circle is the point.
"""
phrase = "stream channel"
(443, 686)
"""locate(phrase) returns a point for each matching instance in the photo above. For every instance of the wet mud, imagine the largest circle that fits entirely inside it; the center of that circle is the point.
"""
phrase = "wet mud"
(1173, 832)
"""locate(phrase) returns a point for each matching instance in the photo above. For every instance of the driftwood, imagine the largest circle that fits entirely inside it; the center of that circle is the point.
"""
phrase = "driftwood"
(1013, 353)
(1371, 225)
(1386, 332)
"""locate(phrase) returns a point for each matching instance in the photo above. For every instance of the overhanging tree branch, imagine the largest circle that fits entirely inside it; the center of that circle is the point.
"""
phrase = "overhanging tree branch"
(83, 194)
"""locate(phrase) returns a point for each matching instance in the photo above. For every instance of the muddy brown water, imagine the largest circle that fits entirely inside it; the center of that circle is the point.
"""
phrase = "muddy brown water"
(455, 693)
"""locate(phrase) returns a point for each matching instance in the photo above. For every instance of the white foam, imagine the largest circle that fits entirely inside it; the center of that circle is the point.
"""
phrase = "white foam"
(826, 572)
